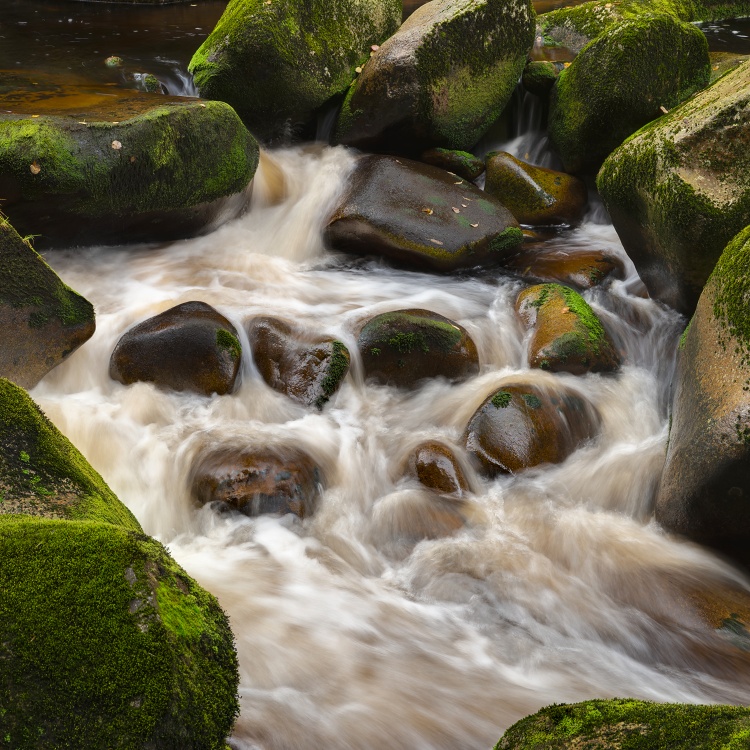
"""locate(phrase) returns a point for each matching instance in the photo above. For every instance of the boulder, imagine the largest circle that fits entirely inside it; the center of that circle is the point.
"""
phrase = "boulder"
(420, 217)
(539, 76)
(277, 63)
(403, 347)
(523, 424)
(42, 321)
(435, 466)
(432, 84)
(705, 485)
(461, 163)
(261, 480)
(567, 335)
(679, 190)
(308, 369)
(535, 195)
(190, 347)
(622, 80)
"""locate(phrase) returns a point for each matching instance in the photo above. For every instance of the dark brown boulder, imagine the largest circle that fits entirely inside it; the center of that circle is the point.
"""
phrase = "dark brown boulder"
(460, 163)
(308, 369)
(523, 425)
(403, 347)
(190, 347)
(420, 216)
(436, 467)
(255, 481)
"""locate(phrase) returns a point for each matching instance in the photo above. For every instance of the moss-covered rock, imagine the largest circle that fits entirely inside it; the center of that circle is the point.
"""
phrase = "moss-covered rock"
(160, 168)
(435, 466)
(535, 195)
(190, 347)
(539, 76)
(432, 84)
(277, 62)
(626, 724)
(460, 163)
(621, 81)
(679, 189)
(705, 487)
(421, 217)
(404, 347)
(42, 321)
(307, 368)
(106, 642)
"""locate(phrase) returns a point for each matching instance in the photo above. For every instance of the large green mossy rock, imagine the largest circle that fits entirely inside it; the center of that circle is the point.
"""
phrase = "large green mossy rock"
(621, 81)
(432, 83)
(705, 486)
(43, 474)
(276, 63)
(167, 168)
(105, 642)
(623, 724)
(42, 321)
(679, 189)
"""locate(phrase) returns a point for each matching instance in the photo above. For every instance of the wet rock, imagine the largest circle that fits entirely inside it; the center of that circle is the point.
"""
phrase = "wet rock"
(679, 190)
(725, 609)
(255, 481)
(298, 55)
(567, 335)
(523, 425)
(705, 487)
(421, 217)
(42, 321)
(190, 347)
(436, 467)
(403, 347)
(308, 369)
(535, 195)
(620, 82)
(430, 85)
(460, 163)
(539, 76)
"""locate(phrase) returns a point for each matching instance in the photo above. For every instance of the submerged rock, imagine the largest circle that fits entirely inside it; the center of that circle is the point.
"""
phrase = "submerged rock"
(421, 217)
(277, 62)
(190, 347)
(679, 190)
(42, 321)
(404, 347)
(461, 163)
(436, 467)
(567, 334)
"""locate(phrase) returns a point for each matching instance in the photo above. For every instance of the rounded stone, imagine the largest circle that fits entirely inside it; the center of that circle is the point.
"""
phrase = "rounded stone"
(436, 467)
(461, 163)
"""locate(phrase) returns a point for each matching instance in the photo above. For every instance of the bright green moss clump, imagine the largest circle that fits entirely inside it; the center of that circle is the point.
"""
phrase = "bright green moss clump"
(229, 342)
(338, 367)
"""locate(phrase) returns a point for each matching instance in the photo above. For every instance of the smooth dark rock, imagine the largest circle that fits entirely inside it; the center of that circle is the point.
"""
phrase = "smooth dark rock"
(461, 163)
(436, 467)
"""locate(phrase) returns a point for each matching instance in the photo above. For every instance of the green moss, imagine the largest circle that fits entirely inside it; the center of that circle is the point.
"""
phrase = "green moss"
(684, 335)
(406, 343)
(227, 341)
(531, 400)
(501, 399)
(507, 239)
(338, 366)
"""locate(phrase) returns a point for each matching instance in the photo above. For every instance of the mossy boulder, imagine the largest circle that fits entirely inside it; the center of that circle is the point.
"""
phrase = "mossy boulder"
(106, 642)
(277, 63)
(627, 724)
(621, 81)
(435, 466)
(524, 424)
(254, 481)
(705, 486)
(43, 474)
(567, 335)
(679, 190)
(190, 347)
(160, 168)
(307, 368)
(432, 84)
(539, 76)
(42, 321)
(403, 347)
(421, 217)
(535, 195)
(460, 163)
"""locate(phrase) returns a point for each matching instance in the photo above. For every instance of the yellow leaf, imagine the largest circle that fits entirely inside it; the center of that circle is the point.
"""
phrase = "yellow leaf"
(34, 168)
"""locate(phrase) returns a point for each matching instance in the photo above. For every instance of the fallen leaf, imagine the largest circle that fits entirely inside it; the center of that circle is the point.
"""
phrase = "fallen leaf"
(116, 145)
(34, 168)
(35, 115)
(565, 310)
(202, 105)
(358, 69)
(455, 210)
(663, 109)
(375, 47)
(464, 198)
(116, 122)
(566, 65)
(475, 225)
(132, 159)
(460, 182)
(437, 242)
(463, 205)
(427, 211)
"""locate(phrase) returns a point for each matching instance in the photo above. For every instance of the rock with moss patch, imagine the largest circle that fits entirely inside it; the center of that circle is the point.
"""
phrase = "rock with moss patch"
(431, 84)
(403, 347)
(190, 347)
(106, 642)
(705, 486)
(461, 163)
(307, 368)
(535, 195)
(420, 217)
(42, 321)
(277, 63)
(539, 76)
(255, 481)
(567, 335)
(679, 190)
(621, 81)
(436, 467)
(580, 269)
(622, 724)
(524, 424)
